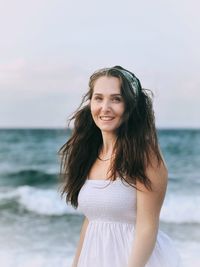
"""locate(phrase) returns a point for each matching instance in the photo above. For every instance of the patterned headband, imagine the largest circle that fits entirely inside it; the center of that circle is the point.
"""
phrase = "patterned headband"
(132, 80)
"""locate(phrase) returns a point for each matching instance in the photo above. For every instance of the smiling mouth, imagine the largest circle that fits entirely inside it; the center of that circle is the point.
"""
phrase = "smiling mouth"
(106, 118)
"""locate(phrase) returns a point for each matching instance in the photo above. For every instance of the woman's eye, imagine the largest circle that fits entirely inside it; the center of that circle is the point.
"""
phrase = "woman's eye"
(116, 99)
(97, 98)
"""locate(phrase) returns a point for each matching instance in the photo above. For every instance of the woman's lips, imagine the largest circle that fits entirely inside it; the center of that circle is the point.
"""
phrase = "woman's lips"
(106, 118)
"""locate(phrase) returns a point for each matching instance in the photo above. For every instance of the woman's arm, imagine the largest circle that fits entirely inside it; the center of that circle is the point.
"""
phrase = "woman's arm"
(149, 204)
(80, 242)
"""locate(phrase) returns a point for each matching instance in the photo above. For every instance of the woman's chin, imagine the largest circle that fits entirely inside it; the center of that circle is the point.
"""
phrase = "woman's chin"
(107, 130)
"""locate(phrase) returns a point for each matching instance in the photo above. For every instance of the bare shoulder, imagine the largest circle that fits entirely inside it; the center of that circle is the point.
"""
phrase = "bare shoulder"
(149, 202)
(157, 172)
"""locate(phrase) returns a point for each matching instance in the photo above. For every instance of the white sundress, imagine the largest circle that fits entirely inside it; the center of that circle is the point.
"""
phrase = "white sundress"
(110, 207)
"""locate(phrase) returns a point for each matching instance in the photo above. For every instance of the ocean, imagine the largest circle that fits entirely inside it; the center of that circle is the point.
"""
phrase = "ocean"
(38, 229)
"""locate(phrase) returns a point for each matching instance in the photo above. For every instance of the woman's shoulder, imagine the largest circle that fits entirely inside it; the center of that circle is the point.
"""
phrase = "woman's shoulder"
(157, 172)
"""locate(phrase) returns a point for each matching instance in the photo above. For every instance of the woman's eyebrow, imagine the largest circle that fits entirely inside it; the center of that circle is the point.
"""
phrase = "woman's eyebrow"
(110, 95)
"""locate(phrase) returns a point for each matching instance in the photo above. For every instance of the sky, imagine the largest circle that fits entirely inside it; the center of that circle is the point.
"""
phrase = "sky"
(49, 49)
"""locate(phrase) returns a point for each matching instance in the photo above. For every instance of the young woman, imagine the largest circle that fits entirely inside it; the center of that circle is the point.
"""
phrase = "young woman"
(115, 174)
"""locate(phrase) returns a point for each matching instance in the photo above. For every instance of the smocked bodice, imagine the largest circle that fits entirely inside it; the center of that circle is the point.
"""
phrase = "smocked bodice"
(106, 200)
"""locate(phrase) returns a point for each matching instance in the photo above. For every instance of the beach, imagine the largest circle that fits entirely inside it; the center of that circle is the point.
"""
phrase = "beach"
(38, 229)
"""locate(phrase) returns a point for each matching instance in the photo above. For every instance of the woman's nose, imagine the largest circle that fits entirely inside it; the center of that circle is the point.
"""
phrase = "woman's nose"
(105, 105)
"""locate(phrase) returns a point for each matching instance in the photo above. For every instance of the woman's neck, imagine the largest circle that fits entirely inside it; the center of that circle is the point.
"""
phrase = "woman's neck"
(108, 144)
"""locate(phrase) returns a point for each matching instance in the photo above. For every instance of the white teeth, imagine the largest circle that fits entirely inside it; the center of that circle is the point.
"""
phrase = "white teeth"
(106, 118)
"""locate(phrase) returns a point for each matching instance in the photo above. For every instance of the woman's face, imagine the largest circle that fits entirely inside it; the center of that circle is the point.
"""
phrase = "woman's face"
(107, 104)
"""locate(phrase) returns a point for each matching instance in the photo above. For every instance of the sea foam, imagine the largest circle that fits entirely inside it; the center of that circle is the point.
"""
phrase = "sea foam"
(176, 208)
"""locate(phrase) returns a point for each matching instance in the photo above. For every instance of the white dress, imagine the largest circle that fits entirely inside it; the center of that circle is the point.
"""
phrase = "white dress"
(110, 207)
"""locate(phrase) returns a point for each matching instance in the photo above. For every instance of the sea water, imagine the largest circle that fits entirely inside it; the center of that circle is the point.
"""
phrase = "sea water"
(38, 229)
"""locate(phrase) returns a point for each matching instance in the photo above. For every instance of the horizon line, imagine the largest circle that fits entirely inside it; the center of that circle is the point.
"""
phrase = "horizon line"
(65, 128)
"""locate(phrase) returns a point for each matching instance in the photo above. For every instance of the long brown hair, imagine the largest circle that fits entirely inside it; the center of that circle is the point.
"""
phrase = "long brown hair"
(136, 137)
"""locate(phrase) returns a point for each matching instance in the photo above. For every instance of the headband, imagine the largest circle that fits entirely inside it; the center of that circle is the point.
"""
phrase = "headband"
(132, 80)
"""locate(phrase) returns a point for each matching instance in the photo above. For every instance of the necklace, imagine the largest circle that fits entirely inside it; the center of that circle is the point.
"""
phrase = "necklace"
(103, 159)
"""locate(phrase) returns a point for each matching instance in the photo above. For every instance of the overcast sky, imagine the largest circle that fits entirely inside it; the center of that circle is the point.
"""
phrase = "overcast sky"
(48, 50)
